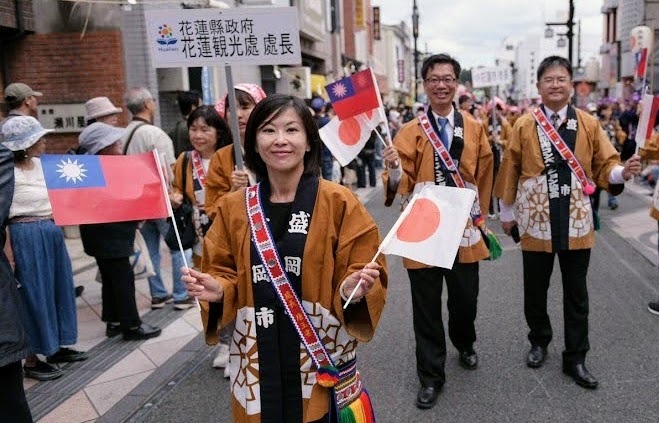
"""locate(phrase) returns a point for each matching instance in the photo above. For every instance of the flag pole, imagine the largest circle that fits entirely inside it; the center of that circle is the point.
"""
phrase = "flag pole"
(352, 294)
(385, 242)
(171, 215)
(372, 128)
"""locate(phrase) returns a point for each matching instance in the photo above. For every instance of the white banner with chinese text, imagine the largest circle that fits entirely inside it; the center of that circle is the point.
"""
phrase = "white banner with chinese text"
(204, 37)
(491, 77)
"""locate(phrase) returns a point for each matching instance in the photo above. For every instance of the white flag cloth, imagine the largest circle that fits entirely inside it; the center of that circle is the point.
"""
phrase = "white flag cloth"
(431, 227)
(346, 138)
(646, 121)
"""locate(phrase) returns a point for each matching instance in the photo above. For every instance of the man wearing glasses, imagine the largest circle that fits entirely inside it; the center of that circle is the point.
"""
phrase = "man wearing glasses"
(551, 193)
(413, 161)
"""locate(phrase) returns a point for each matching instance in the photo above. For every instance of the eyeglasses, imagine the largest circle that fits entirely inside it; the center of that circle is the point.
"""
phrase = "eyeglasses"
(561, 80)
(434, 81)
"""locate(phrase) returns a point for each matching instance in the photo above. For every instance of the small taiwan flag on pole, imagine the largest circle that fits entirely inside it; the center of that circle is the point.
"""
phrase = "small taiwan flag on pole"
(431, 227)
(87, 189)
(646, 122)
(354, 95)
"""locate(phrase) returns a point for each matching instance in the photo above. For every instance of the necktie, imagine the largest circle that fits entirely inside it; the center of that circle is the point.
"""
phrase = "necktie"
(443, 135)
(555, 120)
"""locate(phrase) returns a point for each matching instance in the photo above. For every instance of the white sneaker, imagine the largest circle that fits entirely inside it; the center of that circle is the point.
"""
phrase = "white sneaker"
(226, 373)
(222, 358)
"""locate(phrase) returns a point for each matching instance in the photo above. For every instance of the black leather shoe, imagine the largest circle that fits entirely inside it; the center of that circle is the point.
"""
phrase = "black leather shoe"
(427, 397)
(580, 374)
(537, 356)
(143, 332)
(67, 355)
(469, 359)
(112, 330)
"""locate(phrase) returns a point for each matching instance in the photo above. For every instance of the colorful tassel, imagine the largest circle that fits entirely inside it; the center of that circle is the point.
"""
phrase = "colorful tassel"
(479, 220)
(359, 411)
(327, 376)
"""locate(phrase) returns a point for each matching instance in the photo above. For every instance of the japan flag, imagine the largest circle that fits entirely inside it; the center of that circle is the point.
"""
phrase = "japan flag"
(346, 138)
(430, 228)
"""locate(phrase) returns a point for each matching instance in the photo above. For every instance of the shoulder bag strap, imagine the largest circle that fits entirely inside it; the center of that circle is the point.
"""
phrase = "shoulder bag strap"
(130, 137)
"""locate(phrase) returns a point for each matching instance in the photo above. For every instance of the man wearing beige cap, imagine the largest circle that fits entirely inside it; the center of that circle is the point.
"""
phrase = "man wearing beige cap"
(21, 100)
(101, 109)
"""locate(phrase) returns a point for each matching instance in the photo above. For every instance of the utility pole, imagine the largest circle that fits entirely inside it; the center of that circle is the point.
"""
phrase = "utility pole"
(415, 34)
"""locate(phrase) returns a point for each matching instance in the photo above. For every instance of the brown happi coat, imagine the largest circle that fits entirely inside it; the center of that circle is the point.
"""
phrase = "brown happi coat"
(418, 168)
(218, 179)
(521, 180)
(342, 238)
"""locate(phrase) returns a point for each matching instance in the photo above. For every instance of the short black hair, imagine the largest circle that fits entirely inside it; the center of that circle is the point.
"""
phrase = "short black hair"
(463, 98)
(270, 108)
(438, 59)
(187, 100)
(210, 116)
(551, 61)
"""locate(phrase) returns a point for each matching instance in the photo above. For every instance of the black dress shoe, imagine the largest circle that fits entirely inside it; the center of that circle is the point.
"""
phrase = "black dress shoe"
(580, 374)
(142, 332)
(112, 330)
(427, 397)
(537, 356)
(469, 359)
(67, 355)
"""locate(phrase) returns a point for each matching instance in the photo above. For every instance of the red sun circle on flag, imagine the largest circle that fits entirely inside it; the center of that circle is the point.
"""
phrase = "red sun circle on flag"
(350, 131)
(421, 223)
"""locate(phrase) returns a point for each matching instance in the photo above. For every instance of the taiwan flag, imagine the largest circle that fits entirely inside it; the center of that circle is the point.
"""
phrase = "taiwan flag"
(647, 119)
(354, 95)
(432, 225)
(101, 189)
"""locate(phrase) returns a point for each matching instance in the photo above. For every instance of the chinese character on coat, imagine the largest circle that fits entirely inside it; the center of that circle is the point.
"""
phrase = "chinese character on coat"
(258, 273)
(299, 223)
(293, 265)
(265, 317)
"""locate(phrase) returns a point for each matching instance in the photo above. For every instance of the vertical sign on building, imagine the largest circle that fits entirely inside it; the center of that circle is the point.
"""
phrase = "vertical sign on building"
(376, 22)
(401, 70)
(359, 14)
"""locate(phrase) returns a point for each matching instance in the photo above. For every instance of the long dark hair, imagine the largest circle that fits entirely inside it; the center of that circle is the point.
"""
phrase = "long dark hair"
(210, 116)
(270, 108)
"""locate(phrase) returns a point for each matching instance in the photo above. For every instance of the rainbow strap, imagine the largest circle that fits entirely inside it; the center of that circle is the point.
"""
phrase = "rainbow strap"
(564, 151)
(327, 375)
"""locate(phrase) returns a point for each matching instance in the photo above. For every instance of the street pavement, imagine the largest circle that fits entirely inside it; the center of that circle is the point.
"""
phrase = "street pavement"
(624, 340)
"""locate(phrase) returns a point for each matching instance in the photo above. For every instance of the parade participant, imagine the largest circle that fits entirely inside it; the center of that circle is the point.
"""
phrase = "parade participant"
(42, 263)
(223, 177)
(112, 245)
(498, 135)
(325, 240)
(551, 192)
(617, 137)
(412, 162)
(13, 339)
(650, 152)
(208, 133)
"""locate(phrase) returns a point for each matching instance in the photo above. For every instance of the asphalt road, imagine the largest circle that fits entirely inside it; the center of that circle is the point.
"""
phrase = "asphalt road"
(624, 354)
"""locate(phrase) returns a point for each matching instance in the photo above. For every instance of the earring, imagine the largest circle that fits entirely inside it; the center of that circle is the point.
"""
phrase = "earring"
(25, 155)
(308, 149)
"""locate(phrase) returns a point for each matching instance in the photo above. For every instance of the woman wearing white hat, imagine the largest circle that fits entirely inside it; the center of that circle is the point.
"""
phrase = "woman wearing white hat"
(42, 263)
(101, 109)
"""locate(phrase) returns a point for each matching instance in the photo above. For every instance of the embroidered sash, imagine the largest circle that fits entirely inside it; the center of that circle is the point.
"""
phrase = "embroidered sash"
(199, 217)
(267, 251)
(562, 148)
(445, 157)
(559, 179)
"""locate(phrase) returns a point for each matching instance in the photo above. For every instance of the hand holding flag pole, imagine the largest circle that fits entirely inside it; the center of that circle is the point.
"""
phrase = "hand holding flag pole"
(354, 291)
(171, 215)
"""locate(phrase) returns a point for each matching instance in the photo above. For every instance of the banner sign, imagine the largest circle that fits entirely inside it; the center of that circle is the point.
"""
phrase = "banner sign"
(205, 37)
(62, 117)
(491, 77)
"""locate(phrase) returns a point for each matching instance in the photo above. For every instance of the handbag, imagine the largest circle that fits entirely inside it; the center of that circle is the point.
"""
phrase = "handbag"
(140, 261)
(182, 217)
